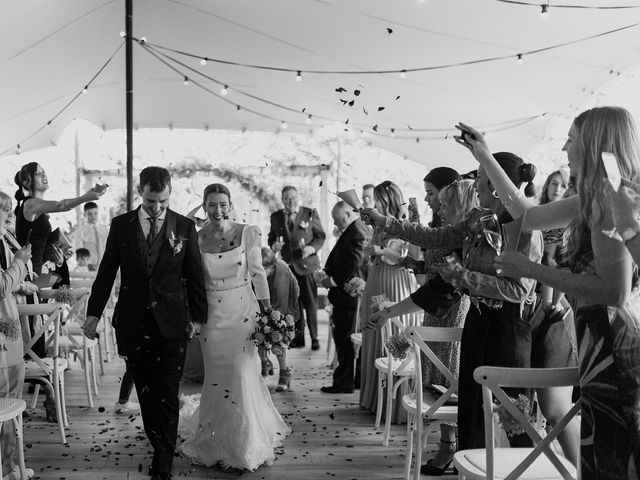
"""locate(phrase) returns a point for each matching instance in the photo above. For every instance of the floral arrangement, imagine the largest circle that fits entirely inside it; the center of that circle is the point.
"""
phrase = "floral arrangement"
(274, 331)
(176, 242)
(510, 424)
(65, 295)
(379, 303)
(398, 345)
(10, 328)
(355, 286)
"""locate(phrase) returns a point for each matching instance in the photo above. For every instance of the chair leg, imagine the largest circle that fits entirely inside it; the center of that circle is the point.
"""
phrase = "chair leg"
(387, 419)
(100, 357)
(94, 370)
(379, 402)
(17, 425)
(418, 454)
(355, 359)
(87, 379)
(63, 401)
(409, 450)
(36, 392)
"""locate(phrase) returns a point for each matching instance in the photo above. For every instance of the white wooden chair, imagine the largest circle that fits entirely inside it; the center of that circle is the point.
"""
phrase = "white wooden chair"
(388, 368)
(356, 337)
(539, 462)
(48, 371)
(422, 405)
(11, 410)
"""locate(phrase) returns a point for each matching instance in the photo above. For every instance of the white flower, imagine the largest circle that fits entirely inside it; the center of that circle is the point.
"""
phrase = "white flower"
(304, 225)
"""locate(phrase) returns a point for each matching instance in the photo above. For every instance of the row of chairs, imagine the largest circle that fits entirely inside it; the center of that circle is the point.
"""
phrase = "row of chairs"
(539, 461)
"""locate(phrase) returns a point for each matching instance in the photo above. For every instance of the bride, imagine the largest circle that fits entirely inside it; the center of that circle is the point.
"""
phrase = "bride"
(234, 422)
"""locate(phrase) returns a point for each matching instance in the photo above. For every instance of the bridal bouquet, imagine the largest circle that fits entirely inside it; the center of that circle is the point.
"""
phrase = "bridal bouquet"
(64, 294)
(379, 303)
(355, 286)
(274, 331)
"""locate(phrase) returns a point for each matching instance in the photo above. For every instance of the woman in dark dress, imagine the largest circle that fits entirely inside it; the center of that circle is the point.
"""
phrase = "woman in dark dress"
(33, 226)
(496, 330)
(602, 282)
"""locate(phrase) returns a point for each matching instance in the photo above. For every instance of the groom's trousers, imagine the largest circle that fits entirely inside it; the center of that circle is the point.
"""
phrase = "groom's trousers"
(157, 366)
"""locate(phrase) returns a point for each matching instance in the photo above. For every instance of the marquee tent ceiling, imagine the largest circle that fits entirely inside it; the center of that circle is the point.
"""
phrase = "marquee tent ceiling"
(50, 50)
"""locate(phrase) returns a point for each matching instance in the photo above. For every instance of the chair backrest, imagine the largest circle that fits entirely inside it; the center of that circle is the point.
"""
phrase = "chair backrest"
(83, 275)
(81, 282)
(394, 326)
(493, 379)
(51, 315)
(419, 337)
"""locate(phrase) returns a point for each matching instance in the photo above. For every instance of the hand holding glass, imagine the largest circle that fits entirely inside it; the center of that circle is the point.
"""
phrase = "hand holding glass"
(491, 230)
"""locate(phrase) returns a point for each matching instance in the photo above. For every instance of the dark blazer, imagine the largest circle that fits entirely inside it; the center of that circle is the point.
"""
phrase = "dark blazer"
(307, 229)
(169, 283)
(345, 262)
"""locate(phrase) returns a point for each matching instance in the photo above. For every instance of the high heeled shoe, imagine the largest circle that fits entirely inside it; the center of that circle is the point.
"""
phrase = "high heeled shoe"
(284, 381)
(430, 469)
(267, 367)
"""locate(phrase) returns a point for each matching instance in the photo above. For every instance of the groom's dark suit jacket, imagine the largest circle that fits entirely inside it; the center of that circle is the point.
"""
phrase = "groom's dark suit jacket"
(168, 282)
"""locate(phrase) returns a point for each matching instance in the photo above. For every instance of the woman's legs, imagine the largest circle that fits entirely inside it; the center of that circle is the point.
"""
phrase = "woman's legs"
(554, 404)
(284, 379)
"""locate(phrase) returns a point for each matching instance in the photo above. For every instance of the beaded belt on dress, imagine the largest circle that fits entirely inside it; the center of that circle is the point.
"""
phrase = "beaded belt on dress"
(224, 289)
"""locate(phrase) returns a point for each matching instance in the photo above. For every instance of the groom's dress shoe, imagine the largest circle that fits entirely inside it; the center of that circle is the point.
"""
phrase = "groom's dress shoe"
(315, 345)
(334, 389)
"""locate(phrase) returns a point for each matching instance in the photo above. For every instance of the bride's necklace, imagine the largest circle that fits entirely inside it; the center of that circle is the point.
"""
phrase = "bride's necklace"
(219, 237)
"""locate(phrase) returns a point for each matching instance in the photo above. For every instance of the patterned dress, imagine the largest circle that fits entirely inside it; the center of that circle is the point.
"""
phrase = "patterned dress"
(609, 362)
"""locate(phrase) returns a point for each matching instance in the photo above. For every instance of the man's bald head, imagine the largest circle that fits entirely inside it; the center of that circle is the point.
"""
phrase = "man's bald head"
(343, 215)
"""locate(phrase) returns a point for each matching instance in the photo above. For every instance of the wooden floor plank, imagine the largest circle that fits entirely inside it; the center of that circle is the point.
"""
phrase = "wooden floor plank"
(331, 436)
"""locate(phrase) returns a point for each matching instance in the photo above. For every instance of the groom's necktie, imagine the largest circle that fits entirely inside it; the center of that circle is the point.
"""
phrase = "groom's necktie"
(153, 230)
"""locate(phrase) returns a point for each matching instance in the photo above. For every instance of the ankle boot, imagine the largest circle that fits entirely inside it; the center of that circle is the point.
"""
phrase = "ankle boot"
(284, 382)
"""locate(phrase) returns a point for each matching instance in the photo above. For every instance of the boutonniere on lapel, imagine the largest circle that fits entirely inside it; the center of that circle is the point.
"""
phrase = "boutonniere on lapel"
(176, 242)
(304, 225)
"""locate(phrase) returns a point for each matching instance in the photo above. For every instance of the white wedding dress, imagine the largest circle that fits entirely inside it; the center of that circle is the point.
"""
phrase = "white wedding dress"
(234, 421)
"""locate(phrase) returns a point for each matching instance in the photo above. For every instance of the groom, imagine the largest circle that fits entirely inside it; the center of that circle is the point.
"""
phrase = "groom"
(162, 303)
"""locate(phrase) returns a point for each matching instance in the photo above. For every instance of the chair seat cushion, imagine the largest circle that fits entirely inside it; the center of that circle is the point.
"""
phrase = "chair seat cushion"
(474, 463)
(382, 364)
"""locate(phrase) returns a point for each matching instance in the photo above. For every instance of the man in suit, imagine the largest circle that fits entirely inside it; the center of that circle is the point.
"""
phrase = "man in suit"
(297, 232)
(344, 262)
(161, 304)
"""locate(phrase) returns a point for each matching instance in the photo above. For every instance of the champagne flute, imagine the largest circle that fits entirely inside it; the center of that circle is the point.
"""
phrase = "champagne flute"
(491, 231)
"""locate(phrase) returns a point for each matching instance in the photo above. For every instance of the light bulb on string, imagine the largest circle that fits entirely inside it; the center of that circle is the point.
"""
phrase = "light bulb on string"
(544, 11)
(307, 120)
(85, 89)
(238, 108)
(203, 61)
(393, 133)
(123, 34)
(186, 81)
(299, 76)
(143, 40)
(403, 74)
(224, 90)
(19, 149)
(520, 59)
(283, 125)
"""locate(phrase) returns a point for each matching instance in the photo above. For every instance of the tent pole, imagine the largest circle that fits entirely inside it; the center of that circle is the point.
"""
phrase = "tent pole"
(129, 100)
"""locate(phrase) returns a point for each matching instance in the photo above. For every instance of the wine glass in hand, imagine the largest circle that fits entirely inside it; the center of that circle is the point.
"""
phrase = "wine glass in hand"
(491, 231)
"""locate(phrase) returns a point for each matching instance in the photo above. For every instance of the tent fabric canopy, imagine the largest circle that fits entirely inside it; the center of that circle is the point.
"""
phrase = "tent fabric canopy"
(50, 50)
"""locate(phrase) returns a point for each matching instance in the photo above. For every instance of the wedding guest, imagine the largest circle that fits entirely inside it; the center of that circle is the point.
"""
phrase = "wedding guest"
(344, 263)
(284, 293)
(625, 209)
(368, 200)
(457, 201)
(602, 280)
(83, 260)
(386, 277)
(12, 274)
(92, 235)
(33, 227)
(297, 233)
(496, 330)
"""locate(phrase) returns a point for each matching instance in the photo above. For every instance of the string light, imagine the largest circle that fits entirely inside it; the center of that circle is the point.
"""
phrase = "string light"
(544, 12)
(520, 59)
(19, 149)
(403, 74)
(123, 34)
(580, 7)
(283, 125)
(143, 40)
(299, 76)
(238, 108)
(85, 89)
(186, 81)
(203, 61)
(393, 133)
(307, 120)
(224, 90)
